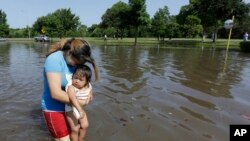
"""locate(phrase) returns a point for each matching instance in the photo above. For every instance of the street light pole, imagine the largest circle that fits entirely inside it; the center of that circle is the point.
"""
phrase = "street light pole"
(29, 31)
(28, 25)
(230, 33)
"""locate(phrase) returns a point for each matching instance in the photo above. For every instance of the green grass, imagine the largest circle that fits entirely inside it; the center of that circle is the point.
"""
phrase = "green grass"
(175, 42)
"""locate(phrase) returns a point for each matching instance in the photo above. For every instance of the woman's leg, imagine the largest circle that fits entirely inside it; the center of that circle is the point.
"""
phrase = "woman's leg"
(66, 138)
(74, 126)
(57, 125)
(83, 127)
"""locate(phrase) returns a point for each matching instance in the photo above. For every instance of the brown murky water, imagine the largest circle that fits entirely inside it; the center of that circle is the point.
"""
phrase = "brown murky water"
(145, 94)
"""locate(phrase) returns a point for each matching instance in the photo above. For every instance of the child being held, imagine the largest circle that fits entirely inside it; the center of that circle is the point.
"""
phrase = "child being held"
(79, 90)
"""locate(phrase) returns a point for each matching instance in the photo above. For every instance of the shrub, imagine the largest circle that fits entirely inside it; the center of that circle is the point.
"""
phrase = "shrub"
(245, 46)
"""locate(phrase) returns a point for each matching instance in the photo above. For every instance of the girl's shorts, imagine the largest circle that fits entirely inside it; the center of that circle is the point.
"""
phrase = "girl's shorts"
(56, 123)
(69, 108)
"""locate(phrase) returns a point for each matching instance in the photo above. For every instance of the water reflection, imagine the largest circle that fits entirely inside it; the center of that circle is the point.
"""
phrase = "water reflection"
(199, 102)
(4, 51)
(204, 71)
(189, 73)
(21, 82)
(197, 115)
(121, 65)
(145, 93)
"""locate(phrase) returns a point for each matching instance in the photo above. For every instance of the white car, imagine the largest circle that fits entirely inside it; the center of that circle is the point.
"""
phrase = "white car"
(42, 38)
(2, 39)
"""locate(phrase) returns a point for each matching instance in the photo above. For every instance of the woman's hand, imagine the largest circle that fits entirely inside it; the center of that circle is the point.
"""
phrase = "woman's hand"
(90, 98)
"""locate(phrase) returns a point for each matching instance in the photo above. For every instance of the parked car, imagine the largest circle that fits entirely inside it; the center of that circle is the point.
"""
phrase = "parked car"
(2, 39)
(42, 38)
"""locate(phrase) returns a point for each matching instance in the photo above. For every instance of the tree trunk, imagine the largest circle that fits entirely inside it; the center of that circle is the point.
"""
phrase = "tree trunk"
(117, 33)
(214, 36)
(203, 36)
(122, 31)
(136, 34)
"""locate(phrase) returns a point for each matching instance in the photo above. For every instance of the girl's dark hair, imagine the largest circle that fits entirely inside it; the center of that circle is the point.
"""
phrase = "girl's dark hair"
(84, 71)
(79, 50)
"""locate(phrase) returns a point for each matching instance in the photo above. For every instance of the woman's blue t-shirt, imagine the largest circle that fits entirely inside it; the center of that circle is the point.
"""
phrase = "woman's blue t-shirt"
(56, 63)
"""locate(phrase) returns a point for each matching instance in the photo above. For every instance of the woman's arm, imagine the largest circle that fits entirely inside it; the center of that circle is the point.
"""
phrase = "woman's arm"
(86, 102)
(90, 97)
(54, 82)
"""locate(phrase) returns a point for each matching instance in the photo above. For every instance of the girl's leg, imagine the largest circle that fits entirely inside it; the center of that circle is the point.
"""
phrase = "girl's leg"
(83, 127)
(74, 126)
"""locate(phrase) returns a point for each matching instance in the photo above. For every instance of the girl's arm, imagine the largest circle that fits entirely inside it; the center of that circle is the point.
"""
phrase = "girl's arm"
(54, 82)
(74, 101)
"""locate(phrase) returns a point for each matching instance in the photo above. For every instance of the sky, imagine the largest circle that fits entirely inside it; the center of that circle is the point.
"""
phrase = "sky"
(21, 13)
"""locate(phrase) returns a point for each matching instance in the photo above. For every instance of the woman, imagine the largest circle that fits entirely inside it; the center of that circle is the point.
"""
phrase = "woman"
(60, 63)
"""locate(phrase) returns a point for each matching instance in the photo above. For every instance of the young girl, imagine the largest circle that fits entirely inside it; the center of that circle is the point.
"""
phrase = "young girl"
(78, 90)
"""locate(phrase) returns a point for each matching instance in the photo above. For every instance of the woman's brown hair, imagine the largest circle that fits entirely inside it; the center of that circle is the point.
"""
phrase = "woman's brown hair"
(79, 49)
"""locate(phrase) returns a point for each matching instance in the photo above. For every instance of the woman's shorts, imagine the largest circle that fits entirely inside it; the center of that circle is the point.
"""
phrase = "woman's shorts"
(56, 123)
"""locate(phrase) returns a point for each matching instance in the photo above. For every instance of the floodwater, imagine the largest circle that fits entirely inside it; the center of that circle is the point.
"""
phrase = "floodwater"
(145, 93)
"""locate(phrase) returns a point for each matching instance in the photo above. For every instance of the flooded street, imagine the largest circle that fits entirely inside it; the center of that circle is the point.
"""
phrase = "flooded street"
(145, 93)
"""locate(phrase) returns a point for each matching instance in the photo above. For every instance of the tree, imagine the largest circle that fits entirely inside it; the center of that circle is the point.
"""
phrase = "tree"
(98, 32)
(172, 30)
(4, 27)
(159, 22)
(82, 31)
(116, 17)
(192, 27)
(57, 23)
(95, 31)
(138, 16)
(185, 11)
(214, 12)
(3, 19)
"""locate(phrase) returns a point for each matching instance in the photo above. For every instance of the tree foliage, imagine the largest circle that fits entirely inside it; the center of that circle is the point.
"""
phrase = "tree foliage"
(4, 27)
(213, 13)
(115, 18)
(58, 23)
(192, 27)
(160, 21)
(185, 11)
(3, 19)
